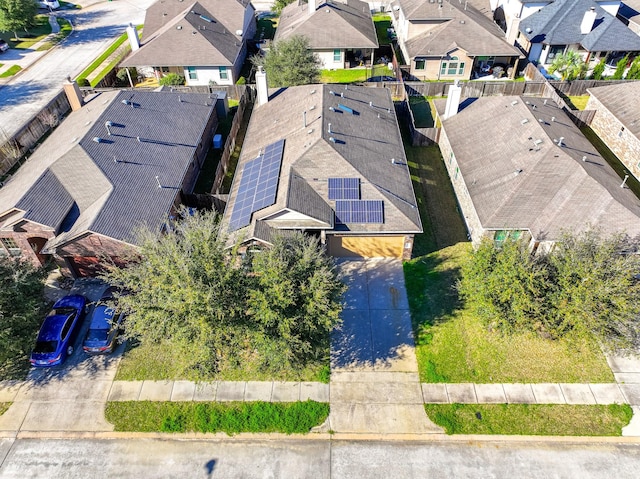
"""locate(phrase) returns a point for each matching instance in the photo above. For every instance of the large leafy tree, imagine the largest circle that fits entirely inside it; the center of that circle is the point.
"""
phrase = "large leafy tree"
(278, 5)
(21, 310)
(17, 15)
(570, 65)
(214, 311)
(585, 286)
(296, 295)
(290, 62)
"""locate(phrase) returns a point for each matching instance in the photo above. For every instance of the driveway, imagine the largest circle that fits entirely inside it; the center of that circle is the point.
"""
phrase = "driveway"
(375, 387)
(69, 397)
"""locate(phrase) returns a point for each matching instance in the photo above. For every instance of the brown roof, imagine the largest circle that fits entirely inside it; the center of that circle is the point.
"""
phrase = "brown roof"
(623, 101)
(334, 24)
(366, 141)
(518, 177)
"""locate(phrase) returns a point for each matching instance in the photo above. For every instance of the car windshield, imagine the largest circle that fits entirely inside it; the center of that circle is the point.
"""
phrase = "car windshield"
(97, 335)
(45, 347)
(62, 312)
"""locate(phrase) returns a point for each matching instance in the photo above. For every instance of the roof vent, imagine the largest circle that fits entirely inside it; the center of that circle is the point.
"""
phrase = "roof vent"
(312, 107)
(514, 102)
(462, 21)
(108, 125)
(239, 32)
(179, 27)
(312, 91)
(524, 121)
(537, 142)
(553, 118)
(332, 108)
(584, 158)
(310, 131)
(332, 139)
(331, 92)
(528, 30)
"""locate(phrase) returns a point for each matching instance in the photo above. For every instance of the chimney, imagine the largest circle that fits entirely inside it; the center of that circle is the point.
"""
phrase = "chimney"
(74, 95)
(134, 41)
(588, 20)
(312, 6)
(261, 86)
(453, 100)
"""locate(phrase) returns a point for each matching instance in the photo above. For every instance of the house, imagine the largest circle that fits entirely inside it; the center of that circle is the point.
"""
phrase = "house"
(617, 121)
(532, 174)
(327, 160)
(451, 40)
(509, 13)
(203, 41)
(119, 162)
(580, 25)
(340, 32)
(629, 13)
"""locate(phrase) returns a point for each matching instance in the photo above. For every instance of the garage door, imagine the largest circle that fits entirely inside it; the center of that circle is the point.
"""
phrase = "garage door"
(366, 246)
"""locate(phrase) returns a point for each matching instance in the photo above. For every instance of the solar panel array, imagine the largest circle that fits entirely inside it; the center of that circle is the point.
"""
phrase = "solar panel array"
(359, 211)
(344, 188)
(258, 185)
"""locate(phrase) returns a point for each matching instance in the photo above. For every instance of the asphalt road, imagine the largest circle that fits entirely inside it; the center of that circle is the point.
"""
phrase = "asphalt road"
(94, 28)
(318, 459)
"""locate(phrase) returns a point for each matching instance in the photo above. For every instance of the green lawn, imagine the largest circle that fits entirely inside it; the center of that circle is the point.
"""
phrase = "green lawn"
(12, 70)
(35, 33)
(232, 417)
(382, 21)
(353, 75)
(4, 406)
(154, 362)
(451, 343)
(266, 28)
(578, 102)
(531, 419)
(422, 113)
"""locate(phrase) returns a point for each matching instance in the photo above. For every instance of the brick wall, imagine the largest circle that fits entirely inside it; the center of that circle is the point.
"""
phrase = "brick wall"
(624, 145)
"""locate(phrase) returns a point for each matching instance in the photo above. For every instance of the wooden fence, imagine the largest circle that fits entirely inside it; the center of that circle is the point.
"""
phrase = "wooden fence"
(476, 88)
(234, 92)
(230, 144)
(419, 136)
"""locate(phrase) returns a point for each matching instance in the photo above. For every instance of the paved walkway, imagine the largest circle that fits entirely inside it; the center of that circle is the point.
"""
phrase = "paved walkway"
(375, 386)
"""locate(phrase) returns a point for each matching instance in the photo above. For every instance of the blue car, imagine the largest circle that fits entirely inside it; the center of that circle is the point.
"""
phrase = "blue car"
(105, 326)
(59, 331)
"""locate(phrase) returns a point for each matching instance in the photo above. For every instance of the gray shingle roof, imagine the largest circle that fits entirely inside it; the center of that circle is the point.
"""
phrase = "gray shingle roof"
(113, 181)
(365, 143)
(559, 24)
(514, 183)
(623, 101)
(467, 29)
(58, 201)
(187, 39)
(334, 24)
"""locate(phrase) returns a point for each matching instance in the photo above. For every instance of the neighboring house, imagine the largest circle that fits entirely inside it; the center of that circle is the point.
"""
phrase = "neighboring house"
(120, 162)
(451, 40)
(530, 174)
(629, 13)
(340, 32)
(509, 13)
(580, 25)
(204, 41)
(327, 160)
(617, 121)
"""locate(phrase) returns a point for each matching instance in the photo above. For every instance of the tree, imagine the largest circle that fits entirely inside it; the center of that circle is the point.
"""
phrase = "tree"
(172, 79)
(290, 62)
(190, 294)
(21, 311)
(620, 67)
(278, 6)
(584, 287)
(598, 70)
(295, 296)
(634, 70)
(570, 65)
(16, 15)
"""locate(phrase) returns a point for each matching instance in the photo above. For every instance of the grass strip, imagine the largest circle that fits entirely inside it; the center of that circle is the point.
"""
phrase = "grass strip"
(353, 75)
(231, 418)
(12, 70)
(531, 419)
(382, 21)
(4, 406)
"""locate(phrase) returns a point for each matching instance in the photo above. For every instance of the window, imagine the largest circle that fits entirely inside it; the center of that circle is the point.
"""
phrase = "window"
(337, 55)
(223, 73)
(193, 74)
(554, 51)
(11, 246)
(164, 69)
(67, 326)
(420, 64)
(452, 67)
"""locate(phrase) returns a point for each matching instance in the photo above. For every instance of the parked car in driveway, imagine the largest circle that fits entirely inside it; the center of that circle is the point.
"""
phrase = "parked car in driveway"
(105, 325)
(59, 331)
(4, 46)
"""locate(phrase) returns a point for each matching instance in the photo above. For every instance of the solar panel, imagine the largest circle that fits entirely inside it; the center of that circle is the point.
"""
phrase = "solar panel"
(359, 211)
(344, 188)
(258, 185)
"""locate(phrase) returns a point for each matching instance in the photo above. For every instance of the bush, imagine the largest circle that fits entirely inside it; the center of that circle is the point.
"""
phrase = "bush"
(241, 81)
(598, 70)
(172, 79)
(620, 67)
